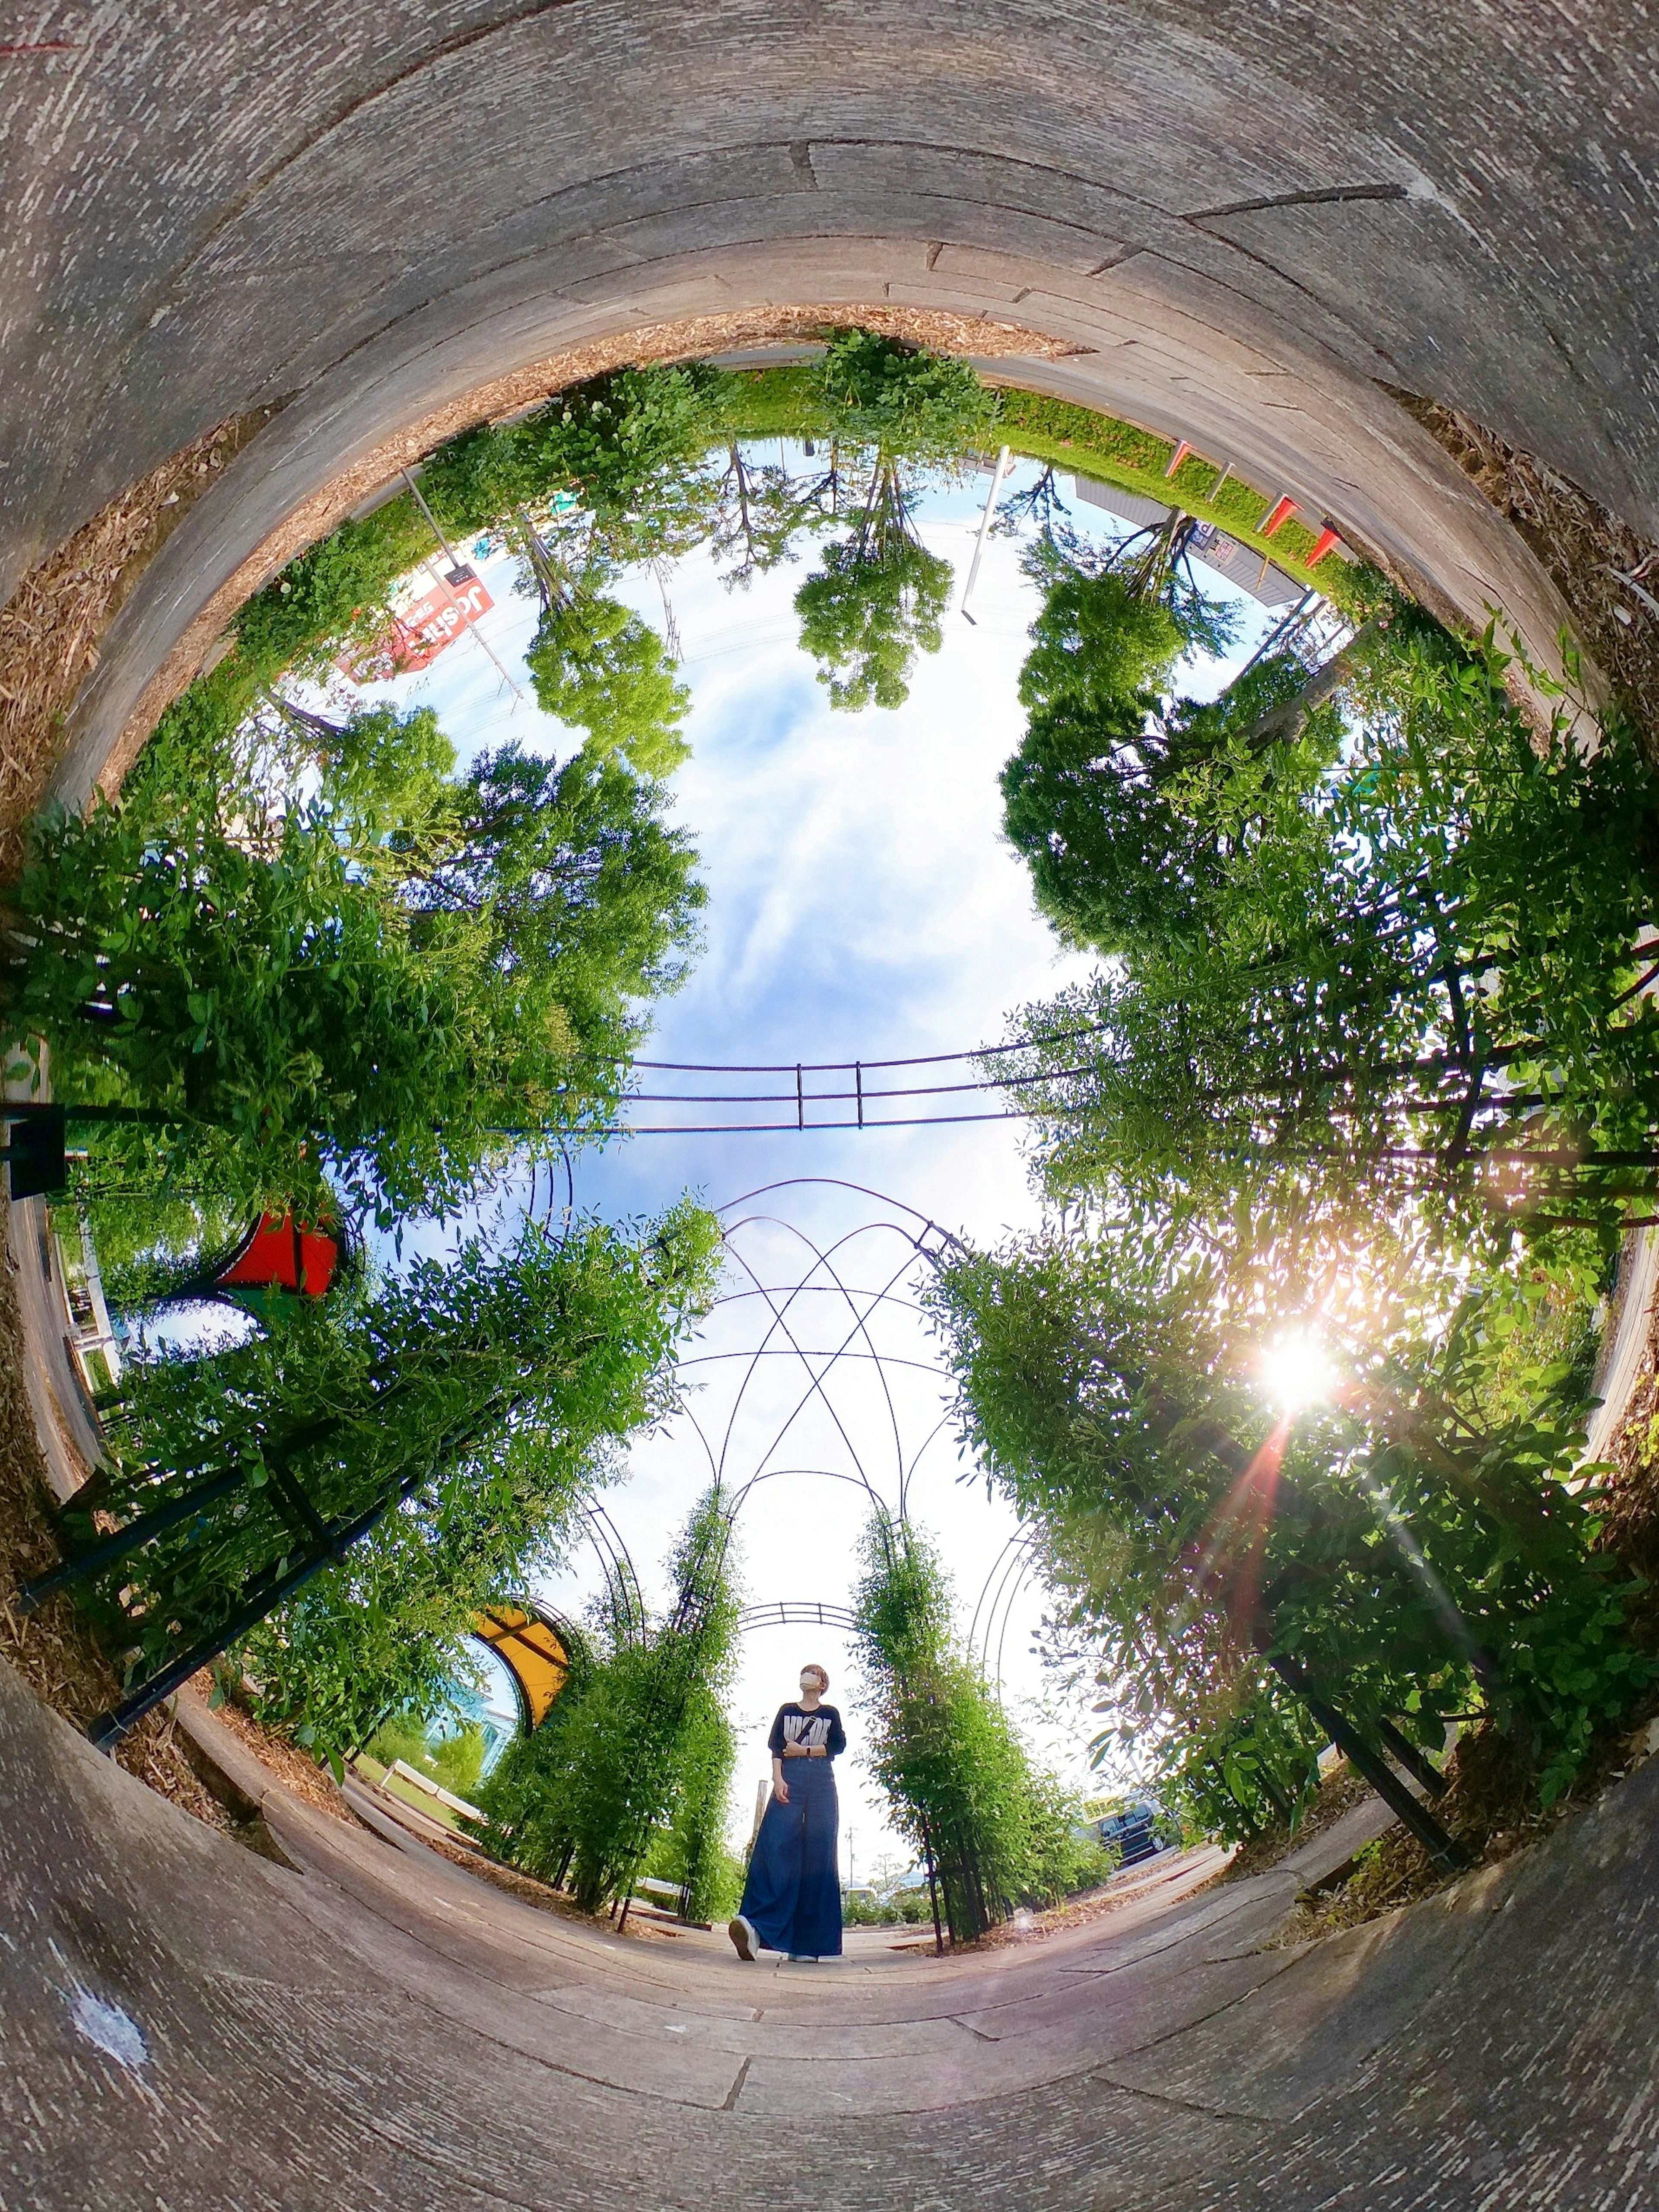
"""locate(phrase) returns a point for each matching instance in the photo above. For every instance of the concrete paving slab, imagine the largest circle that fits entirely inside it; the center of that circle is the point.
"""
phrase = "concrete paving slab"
(302, 2035)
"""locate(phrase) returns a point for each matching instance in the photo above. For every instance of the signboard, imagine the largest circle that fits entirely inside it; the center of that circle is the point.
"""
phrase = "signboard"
(416, 637)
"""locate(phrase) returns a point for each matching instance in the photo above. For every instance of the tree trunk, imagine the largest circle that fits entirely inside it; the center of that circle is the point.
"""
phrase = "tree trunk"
(1281, 725)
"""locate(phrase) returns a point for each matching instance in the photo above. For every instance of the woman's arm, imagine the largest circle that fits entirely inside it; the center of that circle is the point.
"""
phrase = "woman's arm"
(779, 1787)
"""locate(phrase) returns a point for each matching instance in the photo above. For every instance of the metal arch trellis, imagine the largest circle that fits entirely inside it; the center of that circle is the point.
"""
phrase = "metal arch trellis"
(1010, 1572)
(926, 1240)
(796, 1612)
(625, 1596)
(985, 1606)
(923, 1239)
(569, 1207)
(816, 1374)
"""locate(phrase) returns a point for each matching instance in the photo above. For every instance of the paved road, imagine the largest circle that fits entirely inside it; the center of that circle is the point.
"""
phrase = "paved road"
(70, 1441)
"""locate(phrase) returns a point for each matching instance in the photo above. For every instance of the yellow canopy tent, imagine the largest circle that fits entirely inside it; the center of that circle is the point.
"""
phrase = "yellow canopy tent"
(535, 1650)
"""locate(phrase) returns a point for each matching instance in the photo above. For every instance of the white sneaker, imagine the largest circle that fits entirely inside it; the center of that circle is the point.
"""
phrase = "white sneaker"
(744, 1937)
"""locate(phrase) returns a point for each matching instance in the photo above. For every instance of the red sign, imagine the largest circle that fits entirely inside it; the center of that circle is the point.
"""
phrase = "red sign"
(414, 638)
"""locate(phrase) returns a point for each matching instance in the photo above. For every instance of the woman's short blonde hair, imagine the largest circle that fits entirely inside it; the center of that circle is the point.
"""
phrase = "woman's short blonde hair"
(813, 1667)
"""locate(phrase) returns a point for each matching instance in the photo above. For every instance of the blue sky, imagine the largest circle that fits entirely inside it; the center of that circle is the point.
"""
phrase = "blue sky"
(861, 905)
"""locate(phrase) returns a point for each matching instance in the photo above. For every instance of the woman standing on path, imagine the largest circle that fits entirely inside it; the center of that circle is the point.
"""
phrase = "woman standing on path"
(792, 1899)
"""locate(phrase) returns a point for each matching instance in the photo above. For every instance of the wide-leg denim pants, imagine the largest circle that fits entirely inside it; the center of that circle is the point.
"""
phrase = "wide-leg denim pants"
(792, 1897)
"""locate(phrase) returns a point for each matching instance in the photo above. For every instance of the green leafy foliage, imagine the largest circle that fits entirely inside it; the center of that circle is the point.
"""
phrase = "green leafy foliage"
(454, 1761)
(905, 1908)
(635, 1755)
(961, 1785)
(1387, 971)
(875, 603)
(441, 1428)
(598, 666)
(375, 1010)
(901, 400)
(1411, 1558)
(151, 1244)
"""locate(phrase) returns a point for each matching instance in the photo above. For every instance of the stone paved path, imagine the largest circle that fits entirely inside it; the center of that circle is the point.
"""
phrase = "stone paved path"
(373, 2026)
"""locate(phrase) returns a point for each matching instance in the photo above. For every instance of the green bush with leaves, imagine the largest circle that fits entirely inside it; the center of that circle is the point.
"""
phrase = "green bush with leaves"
(1412, 1550)
(961, 1787)
(316, 1005)
(905, 1908)
(453, 1761)
(633, 1763)
(1385, 973)
(364, 1478)
(902, 401)
(596, 665)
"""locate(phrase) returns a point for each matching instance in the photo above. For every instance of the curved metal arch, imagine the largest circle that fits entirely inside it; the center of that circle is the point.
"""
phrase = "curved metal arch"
(808, 1351)
(938, 1429)
(885, 1295)
(839, 1182)
(536, 1163)
(621, 1578)
(859, 1481)
(795, 1612)
(815, 1388)
(1014, 1588)
(985, 1599)
(809, 1289)
(824, 1259)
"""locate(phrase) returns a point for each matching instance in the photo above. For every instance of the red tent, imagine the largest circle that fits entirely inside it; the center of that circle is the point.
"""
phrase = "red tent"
(283, 1255)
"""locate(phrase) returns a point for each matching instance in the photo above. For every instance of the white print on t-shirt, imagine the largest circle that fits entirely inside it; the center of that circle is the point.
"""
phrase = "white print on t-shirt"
(811, 1729)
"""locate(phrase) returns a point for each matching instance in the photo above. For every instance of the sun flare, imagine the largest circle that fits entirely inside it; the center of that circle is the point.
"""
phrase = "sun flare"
(1297, 1371)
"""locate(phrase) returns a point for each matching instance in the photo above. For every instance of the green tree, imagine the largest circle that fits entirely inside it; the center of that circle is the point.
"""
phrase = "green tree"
(595, 664)
(1105, 798)
(902, 402)
(875, 603)
(961, 1786)
(339, 1497)
(629, 445)
(313, 1000)
(877, 600)
(636, 1747)
(1407, 1551)
(1405, 986)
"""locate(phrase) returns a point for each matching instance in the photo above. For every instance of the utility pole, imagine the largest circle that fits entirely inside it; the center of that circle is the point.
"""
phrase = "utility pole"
(997, 475)
(457, 563)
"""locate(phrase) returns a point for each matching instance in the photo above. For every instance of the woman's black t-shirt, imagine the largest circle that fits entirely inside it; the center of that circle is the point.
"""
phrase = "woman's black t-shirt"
(816, 1731)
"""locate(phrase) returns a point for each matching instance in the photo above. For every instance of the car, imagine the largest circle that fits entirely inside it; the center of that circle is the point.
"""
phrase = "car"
(1132, 1830)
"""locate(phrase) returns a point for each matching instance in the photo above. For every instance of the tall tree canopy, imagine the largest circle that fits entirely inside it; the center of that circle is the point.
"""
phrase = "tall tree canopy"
(875, 603)
(308, 992)
(877, 599)
(596, 665)
(902, 402)
(1417, 1547)
(377, 1466)
(1391, 966)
